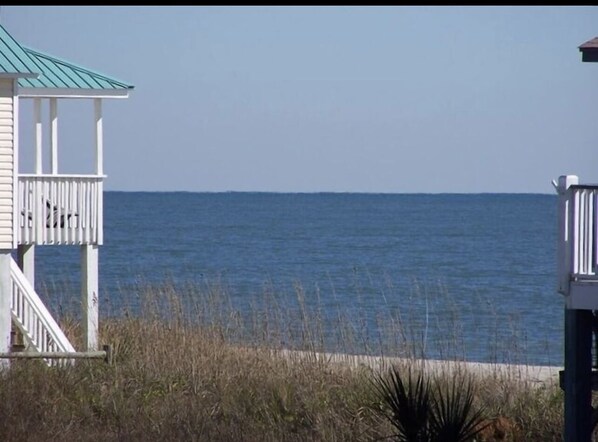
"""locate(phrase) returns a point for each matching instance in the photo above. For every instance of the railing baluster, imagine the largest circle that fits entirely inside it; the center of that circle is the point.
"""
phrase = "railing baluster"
(100, 212)
(82, 211)
(28, 210)
(589, 236)
(595, 232)
(575, 233)
(50, 195)
(94, 211)
(582, 232)
(87, 213)
(24, 215)
(72, 210)
(60, 210)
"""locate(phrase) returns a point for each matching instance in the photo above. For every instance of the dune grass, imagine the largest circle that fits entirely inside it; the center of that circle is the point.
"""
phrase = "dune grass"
(191, 367)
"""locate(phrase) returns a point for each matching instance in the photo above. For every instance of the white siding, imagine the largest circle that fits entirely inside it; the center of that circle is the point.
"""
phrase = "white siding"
(6, 163)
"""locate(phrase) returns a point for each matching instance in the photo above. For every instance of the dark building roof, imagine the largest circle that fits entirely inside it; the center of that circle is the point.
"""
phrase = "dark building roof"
(589, 50)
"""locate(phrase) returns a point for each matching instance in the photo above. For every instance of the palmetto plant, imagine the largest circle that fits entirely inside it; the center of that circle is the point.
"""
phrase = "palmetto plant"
(454, 418)
(421, 410)
(407, 406)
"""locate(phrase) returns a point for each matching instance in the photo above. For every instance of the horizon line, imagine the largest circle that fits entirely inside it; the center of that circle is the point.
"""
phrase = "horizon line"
(318, 192)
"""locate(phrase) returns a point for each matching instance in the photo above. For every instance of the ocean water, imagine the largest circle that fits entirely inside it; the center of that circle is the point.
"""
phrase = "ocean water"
(464, 275)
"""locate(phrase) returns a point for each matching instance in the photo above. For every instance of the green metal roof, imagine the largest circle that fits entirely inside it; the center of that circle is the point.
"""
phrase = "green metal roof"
(57, 73)
(45, 75)
(13, 58)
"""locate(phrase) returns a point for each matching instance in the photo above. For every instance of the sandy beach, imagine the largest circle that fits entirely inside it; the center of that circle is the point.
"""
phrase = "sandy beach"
(534, 374)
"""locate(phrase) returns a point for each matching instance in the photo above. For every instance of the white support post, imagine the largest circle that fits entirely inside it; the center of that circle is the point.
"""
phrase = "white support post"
(564, 232)
(89, 291)
(54, 136)
(26, 261)
(5, 301)
(99, 134)
(37, 117)
(15, 171)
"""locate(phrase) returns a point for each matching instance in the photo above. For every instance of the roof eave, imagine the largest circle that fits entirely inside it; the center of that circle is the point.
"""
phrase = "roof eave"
(18, 75)
(31, 92)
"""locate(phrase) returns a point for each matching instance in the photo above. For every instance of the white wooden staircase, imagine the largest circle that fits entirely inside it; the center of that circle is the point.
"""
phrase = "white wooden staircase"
(40, 331)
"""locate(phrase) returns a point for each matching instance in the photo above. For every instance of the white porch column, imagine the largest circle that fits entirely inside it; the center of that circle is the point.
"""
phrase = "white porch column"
(89, 292)
(54, 136)
(99, 142)
(26, 261)
(37, 119)
(5, 297)
(99, 132)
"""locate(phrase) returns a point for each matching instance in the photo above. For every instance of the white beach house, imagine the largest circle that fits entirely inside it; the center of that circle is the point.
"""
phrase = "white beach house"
(45, 207)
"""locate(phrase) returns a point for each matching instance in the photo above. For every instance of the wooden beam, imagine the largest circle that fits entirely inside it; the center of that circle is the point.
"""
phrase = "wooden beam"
(102, 354)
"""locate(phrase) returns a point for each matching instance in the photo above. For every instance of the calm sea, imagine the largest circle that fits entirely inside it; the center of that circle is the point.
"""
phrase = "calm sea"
(472, 275)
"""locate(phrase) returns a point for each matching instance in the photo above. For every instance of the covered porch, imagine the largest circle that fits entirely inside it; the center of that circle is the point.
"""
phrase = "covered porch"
(53, 208)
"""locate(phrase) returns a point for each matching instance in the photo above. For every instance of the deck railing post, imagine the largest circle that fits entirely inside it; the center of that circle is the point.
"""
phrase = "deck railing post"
(564, 231)
(26, 261)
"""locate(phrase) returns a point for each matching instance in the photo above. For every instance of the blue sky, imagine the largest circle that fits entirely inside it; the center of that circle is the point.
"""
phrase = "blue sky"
(310, 99)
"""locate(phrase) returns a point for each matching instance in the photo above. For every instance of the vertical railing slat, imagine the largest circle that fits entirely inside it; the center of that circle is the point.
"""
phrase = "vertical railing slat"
(589, 236)
(100, 212)
(82, 205)
(577, 233)
(595, 230)
(582, 232)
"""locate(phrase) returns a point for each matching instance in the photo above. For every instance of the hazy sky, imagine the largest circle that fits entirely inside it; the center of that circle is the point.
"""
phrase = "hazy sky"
(309, 99)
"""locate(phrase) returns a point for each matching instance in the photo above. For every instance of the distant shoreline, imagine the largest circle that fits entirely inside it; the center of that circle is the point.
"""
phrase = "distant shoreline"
(330, 192)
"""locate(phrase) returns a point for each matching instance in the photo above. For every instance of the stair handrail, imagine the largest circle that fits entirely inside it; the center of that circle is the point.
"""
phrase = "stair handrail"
(39, 309)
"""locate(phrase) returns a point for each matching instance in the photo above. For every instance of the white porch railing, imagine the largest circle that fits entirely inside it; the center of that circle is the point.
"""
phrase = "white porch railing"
(583, 204)
(577, 247)
(32, 318)
(60, 209)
